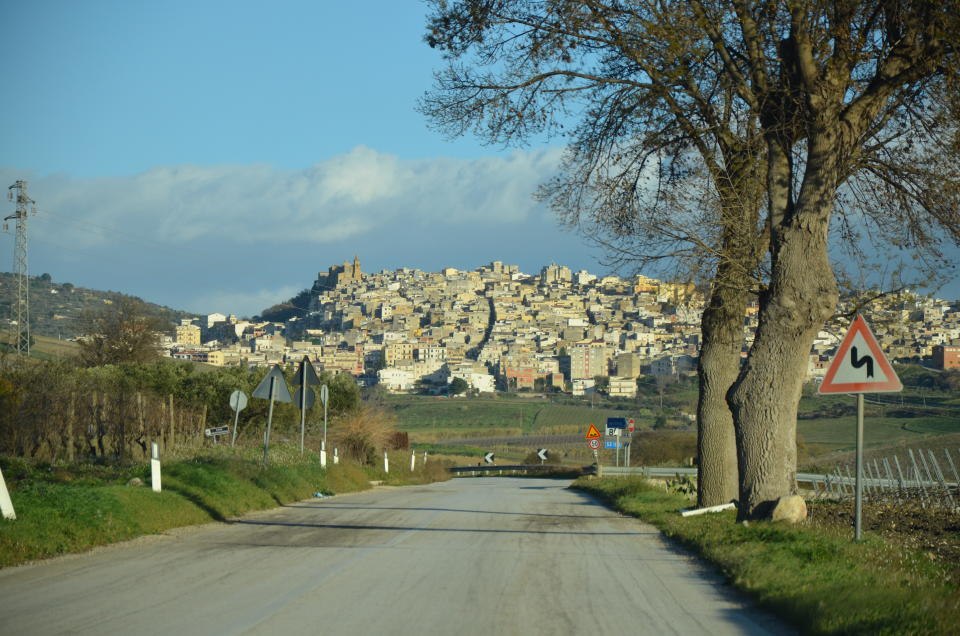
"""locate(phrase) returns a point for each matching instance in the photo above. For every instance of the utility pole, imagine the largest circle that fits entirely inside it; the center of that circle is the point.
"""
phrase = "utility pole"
(21, 306)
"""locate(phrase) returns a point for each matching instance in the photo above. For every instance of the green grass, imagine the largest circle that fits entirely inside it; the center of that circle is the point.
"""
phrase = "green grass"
(839, 433)
(528, 416)
(824, 583)
(64, 509)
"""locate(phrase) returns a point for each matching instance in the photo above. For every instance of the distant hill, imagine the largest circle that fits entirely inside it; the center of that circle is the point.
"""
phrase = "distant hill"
(55, 308)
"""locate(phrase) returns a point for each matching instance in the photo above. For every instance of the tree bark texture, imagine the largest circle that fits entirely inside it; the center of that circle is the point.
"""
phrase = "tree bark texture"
(722, 332)
(801, 296)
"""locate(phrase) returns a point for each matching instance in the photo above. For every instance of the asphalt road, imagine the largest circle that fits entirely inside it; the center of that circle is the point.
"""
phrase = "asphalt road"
(468, 556)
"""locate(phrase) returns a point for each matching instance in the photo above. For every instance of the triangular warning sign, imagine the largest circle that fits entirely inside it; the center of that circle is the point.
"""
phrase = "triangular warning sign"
(280, 391)
(593, 433)
(860, 366)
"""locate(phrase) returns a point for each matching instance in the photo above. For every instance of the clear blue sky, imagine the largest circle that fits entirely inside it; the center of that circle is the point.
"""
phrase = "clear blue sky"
(215, 155)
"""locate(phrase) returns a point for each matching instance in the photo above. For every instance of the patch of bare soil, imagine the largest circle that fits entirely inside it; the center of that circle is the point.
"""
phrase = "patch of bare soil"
(934, 531)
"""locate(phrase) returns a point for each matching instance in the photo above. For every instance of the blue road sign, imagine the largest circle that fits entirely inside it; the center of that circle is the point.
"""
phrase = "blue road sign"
(609, 444)
(616, 422)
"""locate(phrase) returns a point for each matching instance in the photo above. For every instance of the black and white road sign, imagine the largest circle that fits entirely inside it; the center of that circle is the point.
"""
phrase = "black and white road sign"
(213, 431)
(542, 453)
(488, 458)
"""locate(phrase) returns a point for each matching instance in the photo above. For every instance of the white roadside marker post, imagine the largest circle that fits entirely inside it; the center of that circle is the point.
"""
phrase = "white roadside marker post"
(336, 457)
(323, 455)
(6, 505)
(155, 466)
(386, 462)
(413, 461)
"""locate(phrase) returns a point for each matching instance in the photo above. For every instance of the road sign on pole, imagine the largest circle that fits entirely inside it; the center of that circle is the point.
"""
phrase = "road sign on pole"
(859, 367)
(273, 387)
(616, 422)
(592, 433)
(594, 443)
(542, 454)
(488, 458)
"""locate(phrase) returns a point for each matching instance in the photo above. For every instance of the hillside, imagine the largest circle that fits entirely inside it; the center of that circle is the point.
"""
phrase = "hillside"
(55, 308)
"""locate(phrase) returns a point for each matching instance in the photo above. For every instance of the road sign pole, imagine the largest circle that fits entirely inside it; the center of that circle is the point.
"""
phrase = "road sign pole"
(859, 481)
(236, 419)
(303, 413)
(266, 434)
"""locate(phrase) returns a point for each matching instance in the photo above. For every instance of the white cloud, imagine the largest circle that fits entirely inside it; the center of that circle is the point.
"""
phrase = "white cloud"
(239, 238)
(335, 200)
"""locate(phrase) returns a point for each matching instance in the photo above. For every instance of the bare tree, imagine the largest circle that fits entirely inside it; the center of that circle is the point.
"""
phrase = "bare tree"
(840, 104)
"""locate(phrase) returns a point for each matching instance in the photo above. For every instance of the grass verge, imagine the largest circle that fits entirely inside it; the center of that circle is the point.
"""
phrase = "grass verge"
(819, 580)
(66, 509)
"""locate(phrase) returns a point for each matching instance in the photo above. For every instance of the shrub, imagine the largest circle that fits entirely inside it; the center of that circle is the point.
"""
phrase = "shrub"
(361, 434)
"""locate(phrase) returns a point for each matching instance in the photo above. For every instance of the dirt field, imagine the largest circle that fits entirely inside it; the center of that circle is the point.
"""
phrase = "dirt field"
(933, 531)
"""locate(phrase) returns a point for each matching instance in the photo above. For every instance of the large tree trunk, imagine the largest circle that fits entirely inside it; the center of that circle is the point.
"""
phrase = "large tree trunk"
(740, 193)
(801, 296)
(722, 332)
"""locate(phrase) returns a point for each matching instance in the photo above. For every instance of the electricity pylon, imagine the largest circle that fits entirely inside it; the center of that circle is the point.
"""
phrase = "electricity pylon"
(21, 306)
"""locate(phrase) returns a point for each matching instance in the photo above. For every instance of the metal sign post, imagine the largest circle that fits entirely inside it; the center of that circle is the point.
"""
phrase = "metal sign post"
(238, 402)
(306, 376)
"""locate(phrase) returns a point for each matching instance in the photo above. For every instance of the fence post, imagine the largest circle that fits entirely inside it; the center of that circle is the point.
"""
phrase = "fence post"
(903, 486)
(890, 479)
(916, 471)
(171, 438)
(956, 478)
(943, 482)
(849, 478)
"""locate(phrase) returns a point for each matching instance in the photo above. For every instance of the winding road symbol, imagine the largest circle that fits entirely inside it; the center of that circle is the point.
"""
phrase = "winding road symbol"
(859, 362)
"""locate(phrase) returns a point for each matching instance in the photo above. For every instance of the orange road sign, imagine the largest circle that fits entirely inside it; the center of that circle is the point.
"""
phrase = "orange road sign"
(593, 433)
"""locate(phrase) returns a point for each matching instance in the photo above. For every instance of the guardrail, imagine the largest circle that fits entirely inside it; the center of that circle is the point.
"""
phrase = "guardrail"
(815, 480)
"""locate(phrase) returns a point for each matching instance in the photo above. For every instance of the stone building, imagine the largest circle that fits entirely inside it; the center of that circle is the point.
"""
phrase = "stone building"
(338, 275)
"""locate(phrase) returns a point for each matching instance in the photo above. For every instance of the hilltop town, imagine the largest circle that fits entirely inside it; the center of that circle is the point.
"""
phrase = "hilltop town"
(496, 328)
